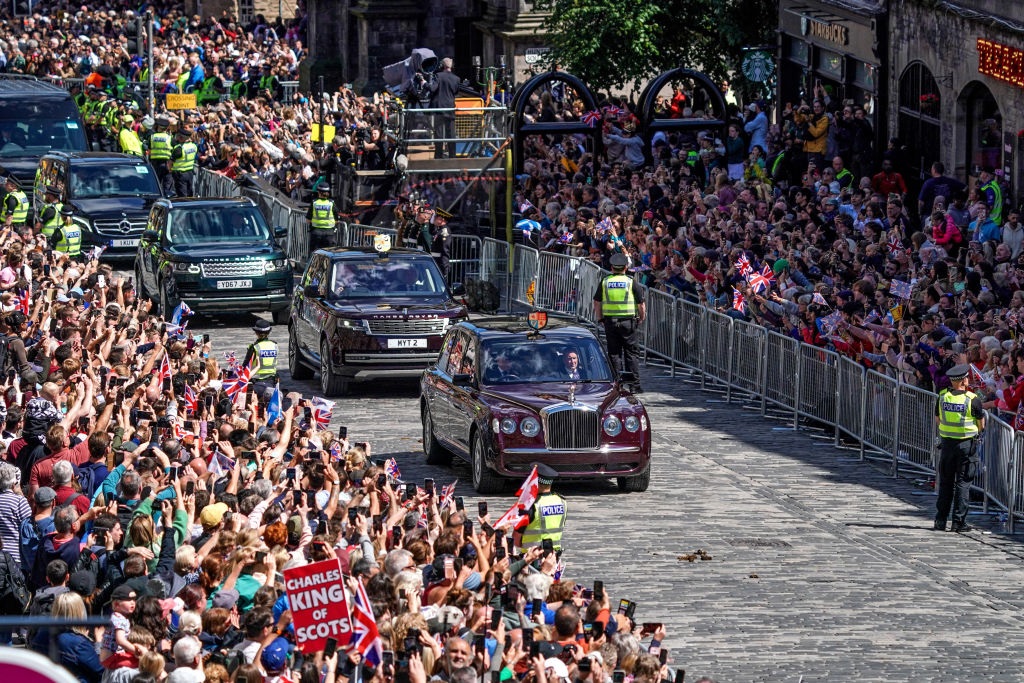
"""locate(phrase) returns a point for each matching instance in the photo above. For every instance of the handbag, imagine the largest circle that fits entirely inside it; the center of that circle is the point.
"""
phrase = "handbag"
(15, 598)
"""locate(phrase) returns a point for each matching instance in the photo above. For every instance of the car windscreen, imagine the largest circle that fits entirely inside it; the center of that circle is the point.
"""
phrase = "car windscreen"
(375, 277)
(216, 224)
(34, 127)
(508, 361)
(89, 181)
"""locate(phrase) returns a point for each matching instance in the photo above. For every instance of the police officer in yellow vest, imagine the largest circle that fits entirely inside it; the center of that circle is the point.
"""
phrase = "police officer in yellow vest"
(619, 304)
(160, 145)
(15, 207)
(547, 516)
(961, 422)
(127, 138)
(67, 237)
(49, 218)
(321, 219)
(183, 163)
(263, 355)
(993, 194)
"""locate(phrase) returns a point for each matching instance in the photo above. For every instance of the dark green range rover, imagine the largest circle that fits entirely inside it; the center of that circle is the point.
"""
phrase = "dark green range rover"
(215, 255)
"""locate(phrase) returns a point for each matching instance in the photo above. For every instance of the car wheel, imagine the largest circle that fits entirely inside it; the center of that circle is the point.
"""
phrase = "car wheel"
(295, 365)
(484, 479)
(435, 452)
(330, 383)
(281, 317)
(637, 484)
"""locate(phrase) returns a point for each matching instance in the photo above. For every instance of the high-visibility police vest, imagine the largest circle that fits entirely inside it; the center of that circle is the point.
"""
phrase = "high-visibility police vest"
(267, 83)
(187, 160)
(239, 89)
(160, 146)
(548, 521)
(20, 214)
(207, 93)
(266, 353)
(71, 240)
(955, 418)
(996, 212)
(323, 214)
(129, 141)
(617, 297)
(54, 221)
(845, 178)
(692, 158)
(778, 160)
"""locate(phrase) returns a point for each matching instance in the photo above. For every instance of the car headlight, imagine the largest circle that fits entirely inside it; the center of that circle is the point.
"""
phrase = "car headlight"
(530, 427)
(185, 267)
(276, 264)
(632, 423)
(508, 425)
(612, 425)
(350, 324)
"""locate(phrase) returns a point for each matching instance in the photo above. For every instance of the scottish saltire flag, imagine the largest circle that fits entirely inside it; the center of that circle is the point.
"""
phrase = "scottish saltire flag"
(528, 226)
(274, 406)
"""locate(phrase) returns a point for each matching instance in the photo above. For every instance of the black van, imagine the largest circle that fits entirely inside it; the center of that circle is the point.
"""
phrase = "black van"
(35, 117)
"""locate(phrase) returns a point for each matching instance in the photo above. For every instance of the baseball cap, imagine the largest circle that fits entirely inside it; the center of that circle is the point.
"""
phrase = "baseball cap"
(45, 495)
(557, 667)
(275, 656)
(213, 514)
(226, 599)
(124, 592)
(82, 582)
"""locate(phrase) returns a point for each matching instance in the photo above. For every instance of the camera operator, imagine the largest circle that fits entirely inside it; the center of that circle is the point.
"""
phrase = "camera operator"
(443, 89)
(371, 148)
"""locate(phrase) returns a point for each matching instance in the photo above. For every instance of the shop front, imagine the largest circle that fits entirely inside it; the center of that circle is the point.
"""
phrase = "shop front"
(842, 50)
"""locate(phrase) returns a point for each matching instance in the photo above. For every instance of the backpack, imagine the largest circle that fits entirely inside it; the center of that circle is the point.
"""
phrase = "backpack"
(31, 540)
(87, 479)
(6, 358)
(14, 595)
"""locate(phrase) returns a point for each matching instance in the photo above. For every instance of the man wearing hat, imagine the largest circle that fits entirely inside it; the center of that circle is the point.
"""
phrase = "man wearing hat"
(993, 194)
(441, 248)
(128, 139)
(547, 516)
(619, 304)
(160, 145)
(15, 206)
(49, 218)
(264, 353)
(321, 216)
(183, 163)
(67, 237)
(267, 84)
(961, 421)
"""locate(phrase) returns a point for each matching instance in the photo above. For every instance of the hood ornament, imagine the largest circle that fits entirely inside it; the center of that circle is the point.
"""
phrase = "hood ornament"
(572, 393)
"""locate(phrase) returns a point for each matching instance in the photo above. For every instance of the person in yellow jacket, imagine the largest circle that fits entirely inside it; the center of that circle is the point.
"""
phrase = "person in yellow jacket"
(128, 139)
(161, 142)
(961, 421)
(547, 515)
(15, 204)
(619, 304)
(49, 218)
(67, 237)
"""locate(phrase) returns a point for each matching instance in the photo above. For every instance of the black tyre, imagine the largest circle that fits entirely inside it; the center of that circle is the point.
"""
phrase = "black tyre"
(295, 365)
(484, 479)
(435, 452)
(330, 383)
(281, 317)
(638, 483)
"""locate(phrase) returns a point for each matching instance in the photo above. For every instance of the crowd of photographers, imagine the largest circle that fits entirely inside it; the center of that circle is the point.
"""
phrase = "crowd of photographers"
(802, 227)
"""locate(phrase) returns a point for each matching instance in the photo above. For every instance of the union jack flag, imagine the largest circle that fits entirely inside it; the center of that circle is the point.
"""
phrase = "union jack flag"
(900, 289)
(895, 245)
(591, 118)
(165, 368)
(323, 411)
(605, 225)
(516, 517)
(231, 358)
(191, 400)
(526, 207)
(738, 302)
(448, 495)
(565, 238)
(614, 111)
(180, 432)
(761, 280)
(237, 384)
(335, 451)
(1018, 419)
(828, 324)
(391, 469)
(819, 299)
(25, 301)
(743, 265)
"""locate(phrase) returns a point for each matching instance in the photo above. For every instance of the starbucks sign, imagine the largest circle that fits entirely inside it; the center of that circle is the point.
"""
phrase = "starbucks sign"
(758, 66)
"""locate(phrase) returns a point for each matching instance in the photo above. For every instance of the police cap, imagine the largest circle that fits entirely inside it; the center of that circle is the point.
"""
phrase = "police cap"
(162, 121)
(618, 261)
(185, 131)
(323, 189)
(67, 210)
(262, 327)
(958, 371)
(52, 189)
(545, 475)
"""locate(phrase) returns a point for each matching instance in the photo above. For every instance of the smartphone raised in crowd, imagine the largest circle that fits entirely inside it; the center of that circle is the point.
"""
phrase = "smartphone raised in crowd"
(481, 508)
(330, 647)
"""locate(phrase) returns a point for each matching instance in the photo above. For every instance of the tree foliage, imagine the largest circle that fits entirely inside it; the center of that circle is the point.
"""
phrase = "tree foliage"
(624, 43)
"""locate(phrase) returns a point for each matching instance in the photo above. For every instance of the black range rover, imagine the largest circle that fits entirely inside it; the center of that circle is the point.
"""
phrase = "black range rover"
(361, 315)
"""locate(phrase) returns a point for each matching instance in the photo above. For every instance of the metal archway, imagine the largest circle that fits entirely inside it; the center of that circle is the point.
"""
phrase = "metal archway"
(522, 128)
(651, 125)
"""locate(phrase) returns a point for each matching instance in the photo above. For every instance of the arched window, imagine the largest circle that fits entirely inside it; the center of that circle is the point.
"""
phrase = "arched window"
(920, 113)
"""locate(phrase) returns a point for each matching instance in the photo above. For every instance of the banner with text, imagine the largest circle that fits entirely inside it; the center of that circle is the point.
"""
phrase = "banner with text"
(316, 596)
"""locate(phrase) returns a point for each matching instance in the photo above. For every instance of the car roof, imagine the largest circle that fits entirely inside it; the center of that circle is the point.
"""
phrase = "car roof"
(96, 157)
(20, 85)
(200, 202)
(355, 253)
(514, 326)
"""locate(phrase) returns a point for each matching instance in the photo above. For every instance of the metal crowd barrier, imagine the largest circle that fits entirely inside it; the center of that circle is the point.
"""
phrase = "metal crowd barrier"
(495, 256)
(358, 235)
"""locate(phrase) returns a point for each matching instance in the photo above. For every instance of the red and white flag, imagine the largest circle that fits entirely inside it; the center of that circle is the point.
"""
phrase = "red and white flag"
(165, 368)
(516, 516)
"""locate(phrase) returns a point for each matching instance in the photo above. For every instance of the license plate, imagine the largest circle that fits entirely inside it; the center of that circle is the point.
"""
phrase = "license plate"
(234, 284)
(407, 343)
(124, 243)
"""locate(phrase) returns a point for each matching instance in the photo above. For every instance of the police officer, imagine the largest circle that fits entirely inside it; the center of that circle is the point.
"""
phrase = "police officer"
(15, 206)
(547, 516)
(183, 163)
(961, 421)
(441, 249)
(49, 218)
(160, 145)
(321, 219)
(67, 237)
(127, 138)
(262, 353)
(619, 304)
(992, 193)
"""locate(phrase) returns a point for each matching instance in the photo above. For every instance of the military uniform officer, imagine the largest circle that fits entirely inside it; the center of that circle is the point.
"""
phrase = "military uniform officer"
(160, 144)
(547, 516)
(263, 355)
(49, 218)
(619, 304)
(321, 219)
(67, 237)
(183, 163)
(15, 206)
(441, 249)
(961, 421)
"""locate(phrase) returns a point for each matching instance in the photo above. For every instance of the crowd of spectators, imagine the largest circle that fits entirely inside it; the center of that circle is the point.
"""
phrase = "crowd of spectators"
(908, 283)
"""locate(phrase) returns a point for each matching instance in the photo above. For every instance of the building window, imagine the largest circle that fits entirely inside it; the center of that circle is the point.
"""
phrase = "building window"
(920, 110)
(246, 11)
(919, 93)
